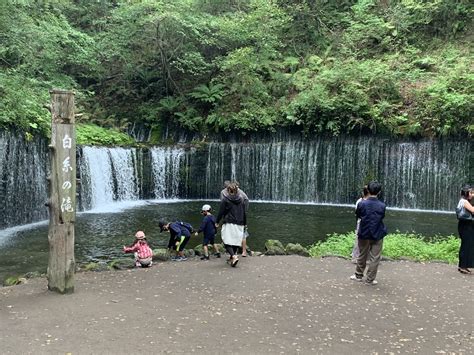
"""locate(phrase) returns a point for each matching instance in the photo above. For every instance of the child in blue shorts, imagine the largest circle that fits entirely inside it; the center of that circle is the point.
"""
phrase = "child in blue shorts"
(208, 228)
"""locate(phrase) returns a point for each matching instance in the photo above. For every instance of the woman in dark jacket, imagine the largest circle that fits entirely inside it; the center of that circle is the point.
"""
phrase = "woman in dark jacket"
(465, 211)
(233, 213)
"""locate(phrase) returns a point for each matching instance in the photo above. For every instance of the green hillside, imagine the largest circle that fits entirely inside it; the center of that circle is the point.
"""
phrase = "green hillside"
(391, 67)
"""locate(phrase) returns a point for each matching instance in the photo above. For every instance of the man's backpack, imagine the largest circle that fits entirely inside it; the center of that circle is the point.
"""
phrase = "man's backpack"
(186, 225)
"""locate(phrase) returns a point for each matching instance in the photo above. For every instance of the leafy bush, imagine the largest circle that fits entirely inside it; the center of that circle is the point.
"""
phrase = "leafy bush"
(340, 97)
(396, 246)
(446, 106)
(88, 134)
(22, 103)
(400, 67)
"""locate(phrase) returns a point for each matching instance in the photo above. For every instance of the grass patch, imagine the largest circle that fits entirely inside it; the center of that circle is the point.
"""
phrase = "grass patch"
(396, 246)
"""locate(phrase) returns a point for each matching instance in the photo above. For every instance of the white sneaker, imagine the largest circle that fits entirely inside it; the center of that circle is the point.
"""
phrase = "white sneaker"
(373, 282)
(355, 278)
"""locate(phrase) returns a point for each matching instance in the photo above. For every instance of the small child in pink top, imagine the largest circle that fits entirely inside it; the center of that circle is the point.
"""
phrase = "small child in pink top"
(141, 249)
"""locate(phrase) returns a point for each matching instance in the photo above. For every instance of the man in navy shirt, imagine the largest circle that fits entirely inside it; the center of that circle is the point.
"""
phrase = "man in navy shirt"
(371, 233)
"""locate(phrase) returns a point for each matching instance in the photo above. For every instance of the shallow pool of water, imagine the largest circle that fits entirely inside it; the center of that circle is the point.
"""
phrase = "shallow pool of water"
(101, 235)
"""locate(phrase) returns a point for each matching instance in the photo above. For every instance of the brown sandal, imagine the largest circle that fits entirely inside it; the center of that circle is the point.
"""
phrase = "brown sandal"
(234, 261)
(464, 271)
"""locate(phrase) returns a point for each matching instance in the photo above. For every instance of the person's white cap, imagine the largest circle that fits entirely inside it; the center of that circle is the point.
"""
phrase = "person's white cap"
(206, 208)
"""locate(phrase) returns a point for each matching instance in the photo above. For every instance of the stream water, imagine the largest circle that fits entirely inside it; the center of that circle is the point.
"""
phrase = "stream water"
(100, 234)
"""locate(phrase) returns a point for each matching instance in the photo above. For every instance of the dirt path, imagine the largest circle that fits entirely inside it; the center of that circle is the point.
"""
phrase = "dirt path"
(286, 304)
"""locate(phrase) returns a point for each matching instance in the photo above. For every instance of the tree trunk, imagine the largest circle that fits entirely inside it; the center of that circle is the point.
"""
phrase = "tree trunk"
(62, 192)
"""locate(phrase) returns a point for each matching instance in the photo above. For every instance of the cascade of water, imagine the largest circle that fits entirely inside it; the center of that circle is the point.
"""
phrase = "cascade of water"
(107, 175)
(420, 175)
(415, 174)
(166, 163)
(23, 179)
(97, 187)
(123, 164)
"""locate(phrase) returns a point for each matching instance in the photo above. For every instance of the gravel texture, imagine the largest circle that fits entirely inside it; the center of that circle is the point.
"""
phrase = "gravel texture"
(268, 304)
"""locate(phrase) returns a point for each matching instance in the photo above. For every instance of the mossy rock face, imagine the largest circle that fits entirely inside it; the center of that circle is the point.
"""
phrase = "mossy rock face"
(11, 281)
(161, 254)
(199, 250)
(156, 134)
(189, 253)
(33, 274)
(274, 247)
(121, 264)
(297, 249)
(96, 267)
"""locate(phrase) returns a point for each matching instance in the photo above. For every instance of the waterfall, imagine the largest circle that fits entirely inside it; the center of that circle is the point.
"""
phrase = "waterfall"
(123, 163)
(107, 175)
(23, 179)
(166, 163)
(415, 175)
(424, 174)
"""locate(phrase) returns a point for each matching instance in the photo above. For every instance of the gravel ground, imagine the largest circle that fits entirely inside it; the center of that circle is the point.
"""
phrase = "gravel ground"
(278, 304)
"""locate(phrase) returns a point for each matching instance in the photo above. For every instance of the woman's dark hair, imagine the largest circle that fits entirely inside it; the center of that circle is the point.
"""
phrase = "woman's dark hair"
(365, 191)
(465, 191)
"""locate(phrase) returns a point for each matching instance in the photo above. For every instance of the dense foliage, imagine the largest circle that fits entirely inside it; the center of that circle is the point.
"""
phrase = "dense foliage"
(396, 246)
(398, 67)
(93, 134)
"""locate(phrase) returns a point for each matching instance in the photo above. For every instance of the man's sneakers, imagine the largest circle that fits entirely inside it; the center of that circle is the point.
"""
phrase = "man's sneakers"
(359, 279)
(179, 258)
(205, 257)
(356, 278)
(373, 282)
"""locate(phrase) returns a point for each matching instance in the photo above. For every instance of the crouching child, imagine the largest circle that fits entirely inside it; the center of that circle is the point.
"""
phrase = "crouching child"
(141, 249)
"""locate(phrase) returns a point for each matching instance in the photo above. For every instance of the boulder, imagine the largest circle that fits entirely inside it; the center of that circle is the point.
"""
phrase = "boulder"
(274, 247)
(33, 274)
(161, 254)
(121, 264)
(100, 266)
(297, 249)
(199, 250)
(189, 253)
(11, 281)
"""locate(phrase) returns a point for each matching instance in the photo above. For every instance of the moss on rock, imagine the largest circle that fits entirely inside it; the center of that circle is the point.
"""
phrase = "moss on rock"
(297, 249)
(274, 247)
(95, 267)
(11, 281)
(121, 264)
(161, 254)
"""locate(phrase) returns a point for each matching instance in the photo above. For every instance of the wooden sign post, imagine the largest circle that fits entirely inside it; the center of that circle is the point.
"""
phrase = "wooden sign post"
(62, 193)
